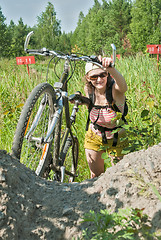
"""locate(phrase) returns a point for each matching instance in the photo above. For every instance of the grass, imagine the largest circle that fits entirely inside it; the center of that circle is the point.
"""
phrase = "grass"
(144, 87)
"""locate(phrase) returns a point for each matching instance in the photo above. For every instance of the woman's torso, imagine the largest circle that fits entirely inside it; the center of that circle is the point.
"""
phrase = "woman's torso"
(105, 117)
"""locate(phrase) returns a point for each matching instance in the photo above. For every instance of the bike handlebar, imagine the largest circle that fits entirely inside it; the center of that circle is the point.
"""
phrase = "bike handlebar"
(72, 57)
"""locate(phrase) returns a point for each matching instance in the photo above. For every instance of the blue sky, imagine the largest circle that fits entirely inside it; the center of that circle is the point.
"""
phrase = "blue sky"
(67, 11)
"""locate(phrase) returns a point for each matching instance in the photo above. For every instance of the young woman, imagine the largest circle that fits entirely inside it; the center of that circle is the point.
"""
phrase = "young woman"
(102, 116)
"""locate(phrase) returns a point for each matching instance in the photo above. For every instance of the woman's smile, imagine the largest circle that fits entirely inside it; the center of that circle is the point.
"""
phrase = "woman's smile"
(100, 83)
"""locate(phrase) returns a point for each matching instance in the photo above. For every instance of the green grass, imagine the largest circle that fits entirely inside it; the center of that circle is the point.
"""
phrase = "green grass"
(125, 224)
(144, 87)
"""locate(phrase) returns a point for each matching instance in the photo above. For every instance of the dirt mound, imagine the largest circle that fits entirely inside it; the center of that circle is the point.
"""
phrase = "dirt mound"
(32, 208)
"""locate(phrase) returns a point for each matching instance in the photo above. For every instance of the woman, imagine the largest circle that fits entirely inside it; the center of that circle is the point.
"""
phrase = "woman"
(98, 81)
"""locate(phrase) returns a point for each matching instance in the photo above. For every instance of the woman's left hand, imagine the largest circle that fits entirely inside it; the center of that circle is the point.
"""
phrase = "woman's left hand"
(106, 61)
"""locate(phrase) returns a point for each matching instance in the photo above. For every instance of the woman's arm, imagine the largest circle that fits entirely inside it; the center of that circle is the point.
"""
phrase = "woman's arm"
(120, 84)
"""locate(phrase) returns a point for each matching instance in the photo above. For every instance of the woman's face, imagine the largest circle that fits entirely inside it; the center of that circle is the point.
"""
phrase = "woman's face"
(98, 78)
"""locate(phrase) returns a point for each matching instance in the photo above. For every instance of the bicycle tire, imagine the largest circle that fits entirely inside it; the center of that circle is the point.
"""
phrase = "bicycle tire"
(69, 157)
(34, 155)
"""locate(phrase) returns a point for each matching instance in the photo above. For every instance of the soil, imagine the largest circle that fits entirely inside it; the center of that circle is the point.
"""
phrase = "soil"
(32, 208)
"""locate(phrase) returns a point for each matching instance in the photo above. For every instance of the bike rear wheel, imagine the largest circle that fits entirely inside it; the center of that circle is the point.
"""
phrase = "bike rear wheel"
(28, 143)
(69, 157)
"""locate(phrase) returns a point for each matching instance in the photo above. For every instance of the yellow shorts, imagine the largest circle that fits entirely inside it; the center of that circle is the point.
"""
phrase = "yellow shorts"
(94, 142)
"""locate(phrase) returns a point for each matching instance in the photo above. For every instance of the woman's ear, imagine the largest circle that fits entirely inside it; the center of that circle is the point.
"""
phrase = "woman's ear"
(86, 76)
(88, 80)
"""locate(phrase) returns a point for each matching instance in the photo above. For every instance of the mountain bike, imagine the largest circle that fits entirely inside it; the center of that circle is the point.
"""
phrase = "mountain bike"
(42, 141)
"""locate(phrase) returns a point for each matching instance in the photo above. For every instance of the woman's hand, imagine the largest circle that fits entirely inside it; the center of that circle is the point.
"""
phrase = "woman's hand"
(106, 61)
(120, 83)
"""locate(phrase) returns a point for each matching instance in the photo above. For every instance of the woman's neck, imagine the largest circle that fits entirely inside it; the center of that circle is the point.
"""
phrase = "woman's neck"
(100, 97)
(101, 91)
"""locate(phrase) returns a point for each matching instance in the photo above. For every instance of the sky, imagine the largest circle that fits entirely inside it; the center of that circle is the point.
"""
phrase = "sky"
(67, 11)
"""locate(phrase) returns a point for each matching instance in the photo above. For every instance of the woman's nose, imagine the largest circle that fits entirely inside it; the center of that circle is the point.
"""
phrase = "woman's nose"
(99, 78)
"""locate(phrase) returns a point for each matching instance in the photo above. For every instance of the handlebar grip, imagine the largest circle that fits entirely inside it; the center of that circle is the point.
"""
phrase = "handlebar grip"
(38, 51)
(95, 59)
(85, 100)
(32, 50)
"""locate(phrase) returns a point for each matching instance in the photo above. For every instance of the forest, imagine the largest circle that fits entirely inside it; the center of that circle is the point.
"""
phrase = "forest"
(131, 25)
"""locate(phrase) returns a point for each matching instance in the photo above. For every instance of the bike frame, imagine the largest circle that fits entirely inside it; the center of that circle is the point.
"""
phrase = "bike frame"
(62, 101)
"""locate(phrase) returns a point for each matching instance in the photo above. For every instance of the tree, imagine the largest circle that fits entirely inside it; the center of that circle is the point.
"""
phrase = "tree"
(3, 36)
(104, 24)
(146, 24)
(117, 21)
(87, 35)
(64, 44)
(78, 38)
(19, 34)
(11, 31)
(48, 28)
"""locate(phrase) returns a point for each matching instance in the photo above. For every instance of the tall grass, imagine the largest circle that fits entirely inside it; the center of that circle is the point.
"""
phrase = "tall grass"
(144, 87)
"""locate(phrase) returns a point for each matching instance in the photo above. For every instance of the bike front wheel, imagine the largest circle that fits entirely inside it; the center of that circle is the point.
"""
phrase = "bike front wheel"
(34, 122)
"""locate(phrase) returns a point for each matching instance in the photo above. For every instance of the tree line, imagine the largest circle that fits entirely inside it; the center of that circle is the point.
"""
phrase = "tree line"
(131, 25)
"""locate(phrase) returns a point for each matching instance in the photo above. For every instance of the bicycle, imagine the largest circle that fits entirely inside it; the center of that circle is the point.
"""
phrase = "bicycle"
(41, 141)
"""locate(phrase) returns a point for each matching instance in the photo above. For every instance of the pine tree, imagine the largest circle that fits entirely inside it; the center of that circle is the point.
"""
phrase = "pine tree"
(48, 28)
(18, 39)
(3, 36)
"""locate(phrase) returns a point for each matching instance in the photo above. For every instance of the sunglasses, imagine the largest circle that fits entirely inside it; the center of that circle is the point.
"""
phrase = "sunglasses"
(95, 77)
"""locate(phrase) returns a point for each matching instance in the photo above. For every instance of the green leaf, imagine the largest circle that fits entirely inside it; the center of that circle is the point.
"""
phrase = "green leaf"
(144, 113)
(158, 115)
(155, 191)
(126, 126)
(104, 155)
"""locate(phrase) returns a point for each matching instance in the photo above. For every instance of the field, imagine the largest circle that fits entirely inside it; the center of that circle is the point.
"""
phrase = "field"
(143, 96)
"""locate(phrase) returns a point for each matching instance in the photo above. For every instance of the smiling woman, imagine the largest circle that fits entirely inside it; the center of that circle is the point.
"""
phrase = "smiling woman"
(101, 88)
